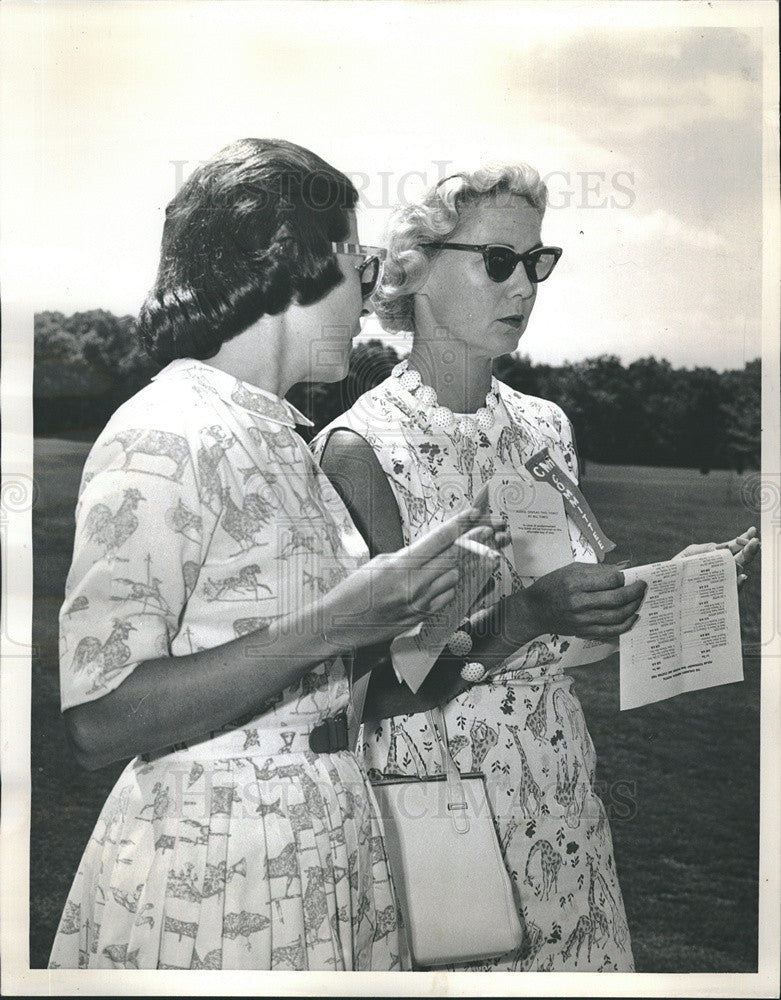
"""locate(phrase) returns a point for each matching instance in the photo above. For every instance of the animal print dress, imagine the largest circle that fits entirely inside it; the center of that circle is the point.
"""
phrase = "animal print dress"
(524, 726)
(203, 517)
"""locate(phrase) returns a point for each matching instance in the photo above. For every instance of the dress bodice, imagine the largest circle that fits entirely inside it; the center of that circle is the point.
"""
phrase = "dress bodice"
(202, 517)
(433, 471)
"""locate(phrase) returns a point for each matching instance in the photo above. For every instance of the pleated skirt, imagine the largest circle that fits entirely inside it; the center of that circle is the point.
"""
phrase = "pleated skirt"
(235, 862)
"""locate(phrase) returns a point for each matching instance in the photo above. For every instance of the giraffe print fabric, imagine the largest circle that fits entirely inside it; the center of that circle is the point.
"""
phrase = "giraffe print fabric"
(244, 850)
(523, 726)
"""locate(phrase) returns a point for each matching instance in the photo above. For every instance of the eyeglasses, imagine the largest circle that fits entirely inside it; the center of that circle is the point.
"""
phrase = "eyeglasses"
(500, 261)
(370, 268)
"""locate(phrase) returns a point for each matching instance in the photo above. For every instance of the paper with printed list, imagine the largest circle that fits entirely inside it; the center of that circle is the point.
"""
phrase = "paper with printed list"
(687, 637)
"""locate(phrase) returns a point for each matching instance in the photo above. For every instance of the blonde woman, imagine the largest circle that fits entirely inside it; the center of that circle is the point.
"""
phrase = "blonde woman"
(463, 271)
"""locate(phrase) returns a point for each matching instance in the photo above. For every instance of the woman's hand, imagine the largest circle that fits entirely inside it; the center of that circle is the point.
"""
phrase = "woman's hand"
(396, 590)
(579, 599)
(743, 548)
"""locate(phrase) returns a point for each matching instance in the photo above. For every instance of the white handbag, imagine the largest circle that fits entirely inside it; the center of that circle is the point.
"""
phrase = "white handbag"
(453, 887)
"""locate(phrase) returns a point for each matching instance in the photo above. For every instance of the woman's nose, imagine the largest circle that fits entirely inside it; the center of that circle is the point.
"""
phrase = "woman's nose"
(519, 283)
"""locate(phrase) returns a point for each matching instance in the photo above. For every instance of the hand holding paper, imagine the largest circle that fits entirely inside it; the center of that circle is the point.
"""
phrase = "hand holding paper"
(688, 634)
(743, 547)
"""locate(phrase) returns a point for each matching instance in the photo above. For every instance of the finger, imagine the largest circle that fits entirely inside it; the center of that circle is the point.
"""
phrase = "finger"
(699, 548)
(483, 534)
(447, 581)
(450, 567)
(467, 550)
(487, 536)
(741, 580)
(594, 578)
(443, 536)
(740, 541)
(747, 553)
(441, 601)
(620, 598)
(493, 521)
(471, 553)
(501, 539)
(623, 611)
(607, 616)
(481, 498)
(608, 631)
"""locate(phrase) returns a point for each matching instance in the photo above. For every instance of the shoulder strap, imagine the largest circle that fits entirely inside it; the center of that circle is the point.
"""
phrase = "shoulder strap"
(456, 797)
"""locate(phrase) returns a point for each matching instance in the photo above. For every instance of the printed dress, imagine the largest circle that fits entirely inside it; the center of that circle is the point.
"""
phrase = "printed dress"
(244, 850)
(524, 726)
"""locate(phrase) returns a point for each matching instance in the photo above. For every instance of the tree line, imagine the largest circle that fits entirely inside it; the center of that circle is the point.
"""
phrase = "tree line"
(643, 413)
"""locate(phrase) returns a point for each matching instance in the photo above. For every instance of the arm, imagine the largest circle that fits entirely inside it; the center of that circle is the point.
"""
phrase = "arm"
(352, 466)
(590, 601)
(124, 694)
(178, 699)
(166, 700)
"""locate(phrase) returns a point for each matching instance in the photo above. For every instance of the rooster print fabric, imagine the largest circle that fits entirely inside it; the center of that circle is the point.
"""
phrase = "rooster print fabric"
(523, 726)
(203, 517)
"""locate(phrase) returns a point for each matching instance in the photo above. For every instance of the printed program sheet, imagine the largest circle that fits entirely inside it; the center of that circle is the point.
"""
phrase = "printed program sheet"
(688, 635)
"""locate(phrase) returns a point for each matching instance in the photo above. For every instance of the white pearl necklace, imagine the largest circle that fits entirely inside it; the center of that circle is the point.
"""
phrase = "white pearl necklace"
(442, 416)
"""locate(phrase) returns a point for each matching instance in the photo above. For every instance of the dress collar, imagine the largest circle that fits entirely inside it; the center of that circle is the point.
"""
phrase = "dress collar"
(249, 397)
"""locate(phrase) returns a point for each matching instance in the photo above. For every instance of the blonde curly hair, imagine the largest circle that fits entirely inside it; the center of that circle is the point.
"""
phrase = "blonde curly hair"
(414, 230)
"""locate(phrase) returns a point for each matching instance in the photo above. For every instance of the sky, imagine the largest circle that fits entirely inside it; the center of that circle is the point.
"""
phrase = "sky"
(649, 132)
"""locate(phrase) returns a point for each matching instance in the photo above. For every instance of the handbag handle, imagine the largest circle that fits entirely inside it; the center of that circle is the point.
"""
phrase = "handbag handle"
(456, 795)
(357, 694)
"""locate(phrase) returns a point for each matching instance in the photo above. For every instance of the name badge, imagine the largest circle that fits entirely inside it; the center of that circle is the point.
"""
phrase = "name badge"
(545, 470)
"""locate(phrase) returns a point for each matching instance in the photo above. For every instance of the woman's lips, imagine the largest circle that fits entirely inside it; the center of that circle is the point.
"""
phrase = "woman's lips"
(513, 320)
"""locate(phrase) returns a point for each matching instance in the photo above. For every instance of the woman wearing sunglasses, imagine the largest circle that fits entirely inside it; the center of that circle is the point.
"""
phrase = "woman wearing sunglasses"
(463, 271)
(216, 592)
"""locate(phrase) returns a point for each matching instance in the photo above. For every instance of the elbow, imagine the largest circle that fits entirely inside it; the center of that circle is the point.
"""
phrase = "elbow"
(83, 732)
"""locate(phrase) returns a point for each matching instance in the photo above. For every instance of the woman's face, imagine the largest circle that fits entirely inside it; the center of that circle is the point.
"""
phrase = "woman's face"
(322, 333)
(460, 301)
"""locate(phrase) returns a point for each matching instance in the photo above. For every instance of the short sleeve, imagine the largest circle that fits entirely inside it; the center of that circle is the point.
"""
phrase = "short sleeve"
(139, 523)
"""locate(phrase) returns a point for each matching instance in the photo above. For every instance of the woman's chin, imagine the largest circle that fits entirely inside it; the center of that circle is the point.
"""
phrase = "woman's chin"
(508, 340)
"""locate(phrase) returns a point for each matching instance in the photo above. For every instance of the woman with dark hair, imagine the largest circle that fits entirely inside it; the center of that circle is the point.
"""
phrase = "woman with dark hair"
(217, 590)
(464, 266)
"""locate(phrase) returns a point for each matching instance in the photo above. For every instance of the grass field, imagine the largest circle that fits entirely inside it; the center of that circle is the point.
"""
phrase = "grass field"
(680, 778)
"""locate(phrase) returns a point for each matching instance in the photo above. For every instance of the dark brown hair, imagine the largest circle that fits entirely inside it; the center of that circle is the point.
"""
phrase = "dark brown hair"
(248, 232)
